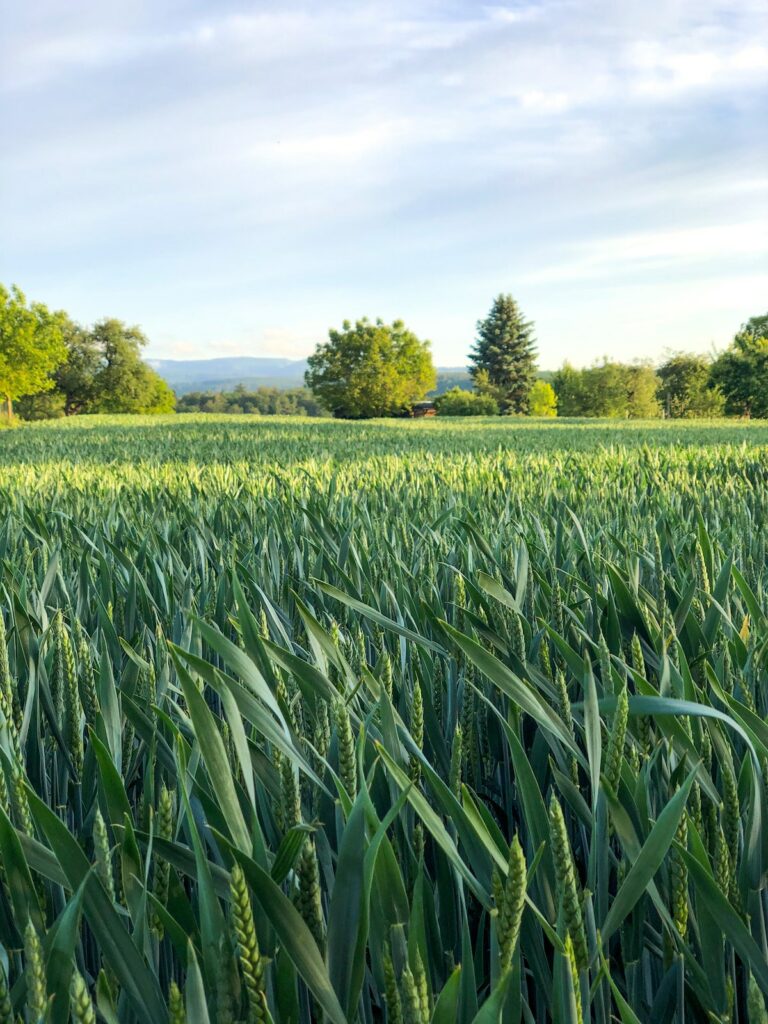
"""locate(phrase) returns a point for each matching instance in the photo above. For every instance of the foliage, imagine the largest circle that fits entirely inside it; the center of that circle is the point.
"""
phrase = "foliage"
(685, 388)
(741, 372)
(371, 369)
(395, 721)
(642, 385)
(45, 405)
(103, 372)
(262, 401)
(503, 358)
(124, 383)
(31, 346)
(608, 390)
(458, 402)
(542, 400)
(77, 379)
(569, 384)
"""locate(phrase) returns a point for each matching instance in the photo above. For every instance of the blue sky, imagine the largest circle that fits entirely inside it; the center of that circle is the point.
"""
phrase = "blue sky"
(237, 177)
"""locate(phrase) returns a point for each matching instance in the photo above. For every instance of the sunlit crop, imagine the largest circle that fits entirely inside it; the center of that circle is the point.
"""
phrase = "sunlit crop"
(404, 722)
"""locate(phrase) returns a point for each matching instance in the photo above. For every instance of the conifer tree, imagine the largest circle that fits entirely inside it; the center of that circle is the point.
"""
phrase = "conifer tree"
(504, 356)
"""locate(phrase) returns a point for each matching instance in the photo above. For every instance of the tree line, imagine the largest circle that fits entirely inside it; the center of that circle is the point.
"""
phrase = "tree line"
(261, 401)
(51, 366)
(375, 369)
(685, 386)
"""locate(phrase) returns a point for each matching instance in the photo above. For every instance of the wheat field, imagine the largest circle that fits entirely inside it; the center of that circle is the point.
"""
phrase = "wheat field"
(416, 721)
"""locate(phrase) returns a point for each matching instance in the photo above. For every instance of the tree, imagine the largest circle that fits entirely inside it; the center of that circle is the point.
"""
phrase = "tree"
(599, 390)
(124, 383)
(608, 389)
(504, 355)
(76, 378)
(542, 400)
(31, 346)
(371, 369)
(741, 372)
(642, 385)
(458, 402)
(570, 391)
(685, 388)
(45, 405)
(263, 402)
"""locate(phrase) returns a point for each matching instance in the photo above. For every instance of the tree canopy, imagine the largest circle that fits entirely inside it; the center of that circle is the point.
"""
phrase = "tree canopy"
(542, 399)
(103, 372)
(741, 372)
(31, 346)
(503, 358)
(262, 401)
(51, 366)
(124, 382)
(607, 389)
(460, 402)
(371, 369)
(685, 387)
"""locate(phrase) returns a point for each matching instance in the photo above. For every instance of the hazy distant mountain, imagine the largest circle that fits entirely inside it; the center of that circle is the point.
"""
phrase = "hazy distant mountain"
(223, 374)
(185, 375)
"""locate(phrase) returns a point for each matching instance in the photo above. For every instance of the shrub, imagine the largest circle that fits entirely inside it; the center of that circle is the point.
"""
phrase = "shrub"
(542, 400)
(458, 402)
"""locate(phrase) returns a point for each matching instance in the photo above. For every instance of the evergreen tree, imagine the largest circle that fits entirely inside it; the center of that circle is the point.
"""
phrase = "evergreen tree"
(504, 355)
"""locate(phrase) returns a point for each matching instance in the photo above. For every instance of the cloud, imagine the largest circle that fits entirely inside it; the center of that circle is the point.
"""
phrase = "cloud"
(651, 251)
(659, 72)
(246, 174)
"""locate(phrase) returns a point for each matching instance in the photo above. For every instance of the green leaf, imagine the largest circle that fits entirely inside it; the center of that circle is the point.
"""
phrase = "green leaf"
(649, 859)
(348, 913)
(378, 618)
(138, 982)
(294, 936)
(215, 757)
(523, 696)
(447, 1002)
(194, 990)
(727, 920)
(491, 1010)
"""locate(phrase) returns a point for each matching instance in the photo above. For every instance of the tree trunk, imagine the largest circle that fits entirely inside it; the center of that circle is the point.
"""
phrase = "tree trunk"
(9, 407)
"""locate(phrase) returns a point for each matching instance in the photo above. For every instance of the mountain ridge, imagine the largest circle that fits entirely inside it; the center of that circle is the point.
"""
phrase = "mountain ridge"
(226, 372)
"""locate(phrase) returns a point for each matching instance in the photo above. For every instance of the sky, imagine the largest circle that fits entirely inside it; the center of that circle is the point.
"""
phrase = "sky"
(238, 177)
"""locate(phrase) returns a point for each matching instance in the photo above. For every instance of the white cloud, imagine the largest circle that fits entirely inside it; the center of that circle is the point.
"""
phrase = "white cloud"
(332, 148)
(514, 15)
(640, 252)
(214, 168)
(662, 72)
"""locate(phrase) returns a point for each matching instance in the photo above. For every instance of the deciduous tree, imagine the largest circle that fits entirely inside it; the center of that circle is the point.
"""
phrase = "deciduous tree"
(543, 400)
(685, 387)
(124, 382)
(31, 346)
(741, 372)
(371, 369)
(608, 389)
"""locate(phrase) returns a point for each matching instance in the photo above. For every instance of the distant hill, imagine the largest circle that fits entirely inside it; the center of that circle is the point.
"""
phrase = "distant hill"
(452, 377)
(224, 374)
